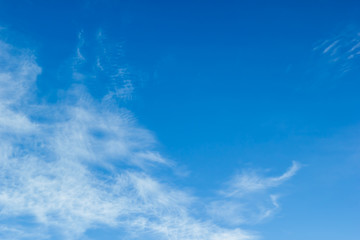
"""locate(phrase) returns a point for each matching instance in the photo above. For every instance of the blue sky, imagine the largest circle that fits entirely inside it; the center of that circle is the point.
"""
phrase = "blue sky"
(187, 120)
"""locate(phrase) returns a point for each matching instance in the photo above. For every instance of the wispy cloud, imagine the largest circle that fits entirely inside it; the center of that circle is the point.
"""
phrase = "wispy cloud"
(102, 61)
(250, 181)
(248, 197)
(342, 51)
(80, 164)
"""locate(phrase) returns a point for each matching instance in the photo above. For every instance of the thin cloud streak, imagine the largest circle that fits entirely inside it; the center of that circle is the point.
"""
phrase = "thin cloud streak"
(249, 182)
(248, 198)
(341, 52)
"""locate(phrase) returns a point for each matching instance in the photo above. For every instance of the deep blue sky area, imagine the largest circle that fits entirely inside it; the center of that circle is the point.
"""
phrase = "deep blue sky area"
(225, 87)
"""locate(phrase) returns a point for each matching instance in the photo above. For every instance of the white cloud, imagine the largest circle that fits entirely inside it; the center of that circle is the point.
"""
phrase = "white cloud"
(341, 52)
(103, 63)
(81, 164)
(248, 198)
(250, 181)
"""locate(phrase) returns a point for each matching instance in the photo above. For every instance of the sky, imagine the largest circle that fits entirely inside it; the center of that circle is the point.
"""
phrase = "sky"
(179, 120)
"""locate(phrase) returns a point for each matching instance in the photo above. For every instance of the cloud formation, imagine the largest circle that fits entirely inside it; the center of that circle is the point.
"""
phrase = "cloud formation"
(79, 164)
(99, 62)
(248, 197)
(342, 51)
(250, 182)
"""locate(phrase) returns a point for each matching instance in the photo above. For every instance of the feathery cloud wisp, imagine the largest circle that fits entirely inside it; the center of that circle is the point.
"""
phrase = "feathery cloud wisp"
(81, 164)
(249, 182)
(248, 197)
(342, 51)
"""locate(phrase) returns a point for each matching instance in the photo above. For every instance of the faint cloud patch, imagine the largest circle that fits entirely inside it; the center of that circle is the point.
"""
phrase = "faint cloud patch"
(248, 198)
(341, 52)
(99, 63)
(250, 182)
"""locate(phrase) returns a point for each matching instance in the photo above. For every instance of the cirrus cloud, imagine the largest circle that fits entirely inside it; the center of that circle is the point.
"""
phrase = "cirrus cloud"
(80, 164)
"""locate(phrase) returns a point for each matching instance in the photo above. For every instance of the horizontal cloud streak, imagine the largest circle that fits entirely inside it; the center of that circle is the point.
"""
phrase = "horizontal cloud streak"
(249, 182)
